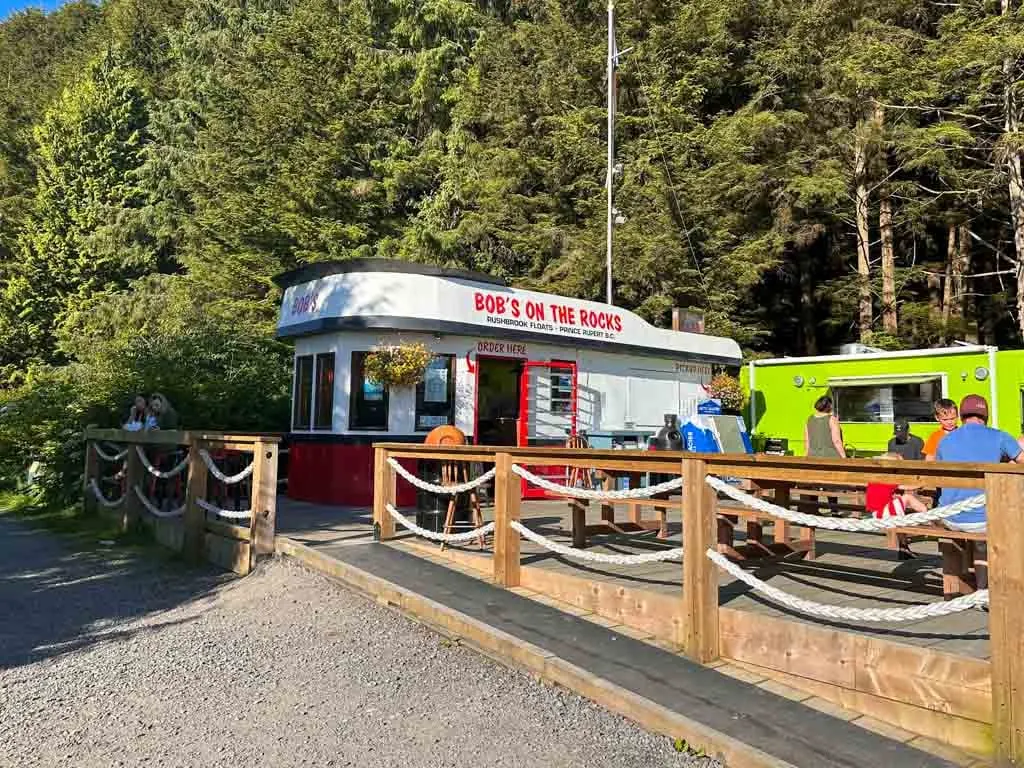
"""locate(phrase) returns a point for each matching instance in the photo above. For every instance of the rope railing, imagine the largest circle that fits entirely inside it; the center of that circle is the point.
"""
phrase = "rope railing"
(110, 503)
(176, 470)
(840, 523)
(442, 490)
(594, 495)
(847, 613)
(595, 557)
(450, 538)
(230, 514)
(154, 509)
(109, 456)
(215, 470)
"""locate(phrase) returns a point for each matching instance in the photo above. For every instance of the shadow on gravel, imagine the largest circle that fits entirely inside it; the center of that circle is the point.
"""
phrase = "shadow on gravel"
(55, 599)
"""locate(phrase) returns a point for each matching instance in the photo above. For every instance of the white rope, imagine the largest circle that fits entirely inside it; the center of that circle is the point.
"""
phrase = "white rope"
(842, 613)
(231, 514)
(840, 523)
(586, 493)
(215, 470)
(451, 538)
(596, 557)
(103, 499)
(156, 472)
(109, 456)
(442, 490)
(154, 510)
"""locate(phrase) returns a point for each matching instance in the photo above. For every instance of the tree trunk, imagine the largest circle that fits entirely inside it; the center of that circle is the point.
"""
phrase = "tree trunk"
(967, 306)
(948, 295)
(956, 305)
(860, 169)
(889, 319)
(935, 296)
(1016, 177)
(808, 327)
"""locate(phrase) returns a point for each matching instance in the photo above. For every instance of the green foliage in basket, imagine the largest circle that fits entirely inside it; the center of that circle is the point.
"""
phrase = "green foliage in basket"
(398, 365)
(727, 389)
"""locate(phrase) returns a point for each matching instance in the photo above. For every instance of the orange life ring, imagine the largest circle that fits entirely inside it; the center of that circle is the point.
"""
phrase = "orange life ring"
(445, 435)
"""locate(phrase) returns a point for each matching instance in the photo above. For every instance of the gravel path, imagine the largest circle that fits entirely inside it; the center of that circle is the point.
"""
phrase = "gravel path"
(109, 659)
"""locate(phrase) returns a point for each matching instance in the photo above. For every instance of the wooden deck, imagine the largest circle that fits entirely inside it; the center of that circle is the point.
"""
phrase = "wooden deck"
(850, 570)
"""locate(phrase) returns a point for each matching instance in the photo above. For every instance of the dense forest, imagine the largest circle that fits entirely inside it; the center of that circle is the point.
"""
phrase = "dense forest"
(806, 172)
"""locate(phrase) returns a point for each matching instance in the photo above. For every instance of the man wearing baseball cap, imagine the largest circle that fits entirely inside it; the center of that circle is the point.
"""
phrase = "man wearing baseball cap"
(974, 441)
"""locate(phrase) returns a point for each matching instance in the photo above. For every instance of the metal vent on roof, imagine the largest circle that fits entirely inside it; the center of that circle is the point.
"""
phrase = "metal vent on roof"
(858, 349)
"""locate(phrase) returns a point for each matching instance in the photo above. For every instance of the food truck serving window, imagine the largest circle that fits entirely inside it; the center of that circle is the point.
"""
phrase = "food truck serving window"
(435, 395)
(885, 399)
(368, 402)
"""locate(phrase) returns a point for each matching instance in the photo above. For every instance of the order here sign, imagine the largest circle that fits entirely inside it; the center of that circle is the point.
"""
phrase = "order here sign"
(551, 316)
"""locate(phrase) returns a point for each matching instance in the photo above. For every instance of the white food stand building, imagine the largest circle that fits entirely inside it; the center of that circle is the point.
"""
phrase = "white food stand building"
(511, 367)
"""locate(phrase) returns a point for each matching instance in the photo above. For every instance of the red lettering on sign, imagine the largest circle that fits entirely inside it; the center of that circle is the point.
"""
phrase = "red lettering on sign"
(515, 307)
(478, 298)
(618, 323)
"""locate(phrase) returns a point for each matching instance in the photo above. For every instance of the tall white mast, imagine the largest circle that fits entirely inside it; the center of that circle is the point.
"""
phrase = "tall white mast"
(611, 143)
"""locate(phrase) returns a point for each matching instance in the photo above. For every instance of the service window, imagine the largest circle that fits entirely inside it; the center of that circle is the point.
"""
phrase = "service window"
(368, 402)
(884, 403)
(435, 395)
(324, 418)
(302, 400)
(561, 390)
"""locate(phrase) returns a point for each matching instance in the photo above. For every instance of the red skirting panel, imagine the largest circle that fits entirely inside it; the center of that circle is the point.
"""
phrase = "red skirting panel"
(336, 473)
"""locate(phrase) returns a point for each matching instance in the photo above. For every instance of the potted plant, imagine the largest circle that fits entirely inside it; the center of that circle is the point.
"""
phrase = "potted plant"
(728, 391)
(398, 365)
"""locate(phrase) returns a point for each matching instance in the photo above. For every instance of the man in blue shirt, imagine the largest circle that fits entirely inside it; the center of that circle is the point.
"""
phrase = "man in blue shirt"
(975, 441)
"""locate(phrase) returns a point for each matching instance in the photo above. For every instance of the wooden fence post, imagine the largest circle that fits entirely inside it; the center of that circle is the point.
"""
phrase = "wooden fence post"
(506, 509)
(263, 501)
(1005, 507)
(195, 516)
(92, 473)
(135, 475)
(383, 494)
(700, 576)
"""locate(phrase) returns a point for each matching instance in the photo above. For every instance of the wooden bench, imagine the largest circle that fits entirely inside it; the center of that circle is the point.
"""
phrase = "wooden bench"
(636, 523)
(730, 515)
(964, 563)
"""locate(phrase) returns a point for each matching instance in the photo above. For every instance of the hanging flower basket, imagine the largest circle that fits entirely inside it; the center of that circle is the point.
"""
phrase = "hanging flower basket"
(397, 365)
(727, 390)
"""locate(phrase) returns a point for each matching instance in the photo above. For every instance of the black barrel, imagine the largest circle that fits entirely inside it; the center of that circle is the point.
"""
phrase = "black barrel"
(431, 508)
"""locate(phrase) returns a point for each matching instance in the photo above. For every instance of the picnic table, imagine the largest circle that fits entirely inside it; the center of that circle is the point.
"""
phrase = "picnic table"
(609, 524)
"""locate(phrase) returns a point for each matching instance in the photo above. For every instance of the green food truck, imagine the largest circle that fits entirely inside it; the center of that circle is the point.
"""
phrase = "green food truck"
(873, 388)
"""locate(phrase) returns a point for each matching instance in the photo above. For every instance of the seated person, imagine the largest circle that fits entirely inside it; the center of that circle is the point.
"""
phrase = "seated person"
(974, 442)
(889, 500)
(908, 446)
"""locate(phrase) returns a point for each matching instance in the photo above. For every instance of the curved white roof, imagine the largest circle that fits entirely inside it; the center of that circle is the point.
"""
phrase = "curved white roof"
(394, 295)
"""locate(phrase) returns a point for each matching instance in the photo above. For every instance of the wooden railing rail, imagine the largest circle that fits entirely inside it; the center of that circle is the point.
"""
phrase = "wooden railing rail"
(222, 541)
(1002, 483)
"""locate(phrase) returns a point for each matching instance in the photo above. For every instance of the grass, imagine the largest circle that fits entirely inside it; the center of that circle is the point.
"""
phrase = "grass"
(68, 520)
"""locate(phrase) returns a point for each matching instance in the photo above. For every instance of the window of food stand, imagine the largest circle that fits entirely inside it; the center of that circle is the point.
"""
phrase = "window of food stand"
(885, 401)
(561, 389)
(435, 395)
(303, 396)
(368, 402)
(324, 416)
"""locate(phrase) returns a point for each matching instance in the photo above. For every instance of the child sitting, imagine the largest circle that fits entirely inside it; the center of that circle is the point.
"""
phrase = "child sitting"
(888, 500)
